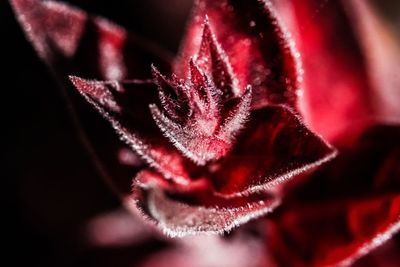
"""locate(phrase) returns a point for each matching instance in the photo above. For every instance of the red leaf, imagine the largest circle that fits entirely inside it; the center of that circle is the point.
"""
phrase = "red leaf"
(348, 207)
(195, 209)
(125, 106)
(274, 146)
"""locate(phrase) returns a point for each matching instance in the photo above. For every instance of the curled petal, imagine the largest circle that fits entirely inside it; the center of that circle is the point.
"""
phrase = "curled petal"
(200, 210)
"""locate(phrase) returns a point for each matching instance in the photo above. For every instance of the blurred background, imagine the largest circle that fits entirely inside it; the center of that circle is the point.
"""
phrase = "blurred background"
(50, 186)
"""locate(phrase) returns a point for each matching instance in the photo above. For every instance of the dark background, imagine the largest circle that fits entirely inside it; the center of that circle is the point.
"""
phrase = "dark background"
(49, 184)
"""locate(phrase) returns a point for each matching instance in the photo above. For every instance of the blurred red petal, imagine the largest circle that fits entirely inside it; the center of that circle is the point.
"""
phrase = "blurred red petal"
(336, 100)
(240, 250)
(345, 209)
(73, 42)
(116, 228)
(382, 51)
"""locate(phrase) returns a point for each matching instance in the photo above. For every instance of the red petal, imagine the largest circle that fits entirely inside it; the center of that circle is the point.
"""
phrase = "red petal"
(382, 51)
(347, 208)
(195, 209)
(126, 106)
(336, 85)
(71, 41)
(274, 146)
(259, 49)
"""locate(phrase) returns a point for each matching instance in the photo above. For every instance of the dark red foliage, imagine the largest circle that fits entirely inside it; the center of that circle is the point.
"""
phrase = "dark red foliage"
(343, 210)
(228, 130)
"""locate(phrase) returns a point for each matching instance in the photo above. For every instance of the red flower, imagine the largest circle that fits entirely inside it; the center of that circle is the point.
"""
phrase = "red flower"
(217, 134)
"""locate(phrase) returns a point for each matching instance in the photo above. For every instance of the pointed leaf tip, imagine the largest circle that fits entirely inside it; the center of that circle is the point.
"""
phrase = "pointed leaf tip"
(260, 50)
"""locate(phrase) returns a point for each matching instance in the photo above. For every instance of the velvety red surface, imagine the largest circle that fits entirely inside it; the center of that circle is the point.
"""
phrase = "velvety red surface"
(234, 127)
